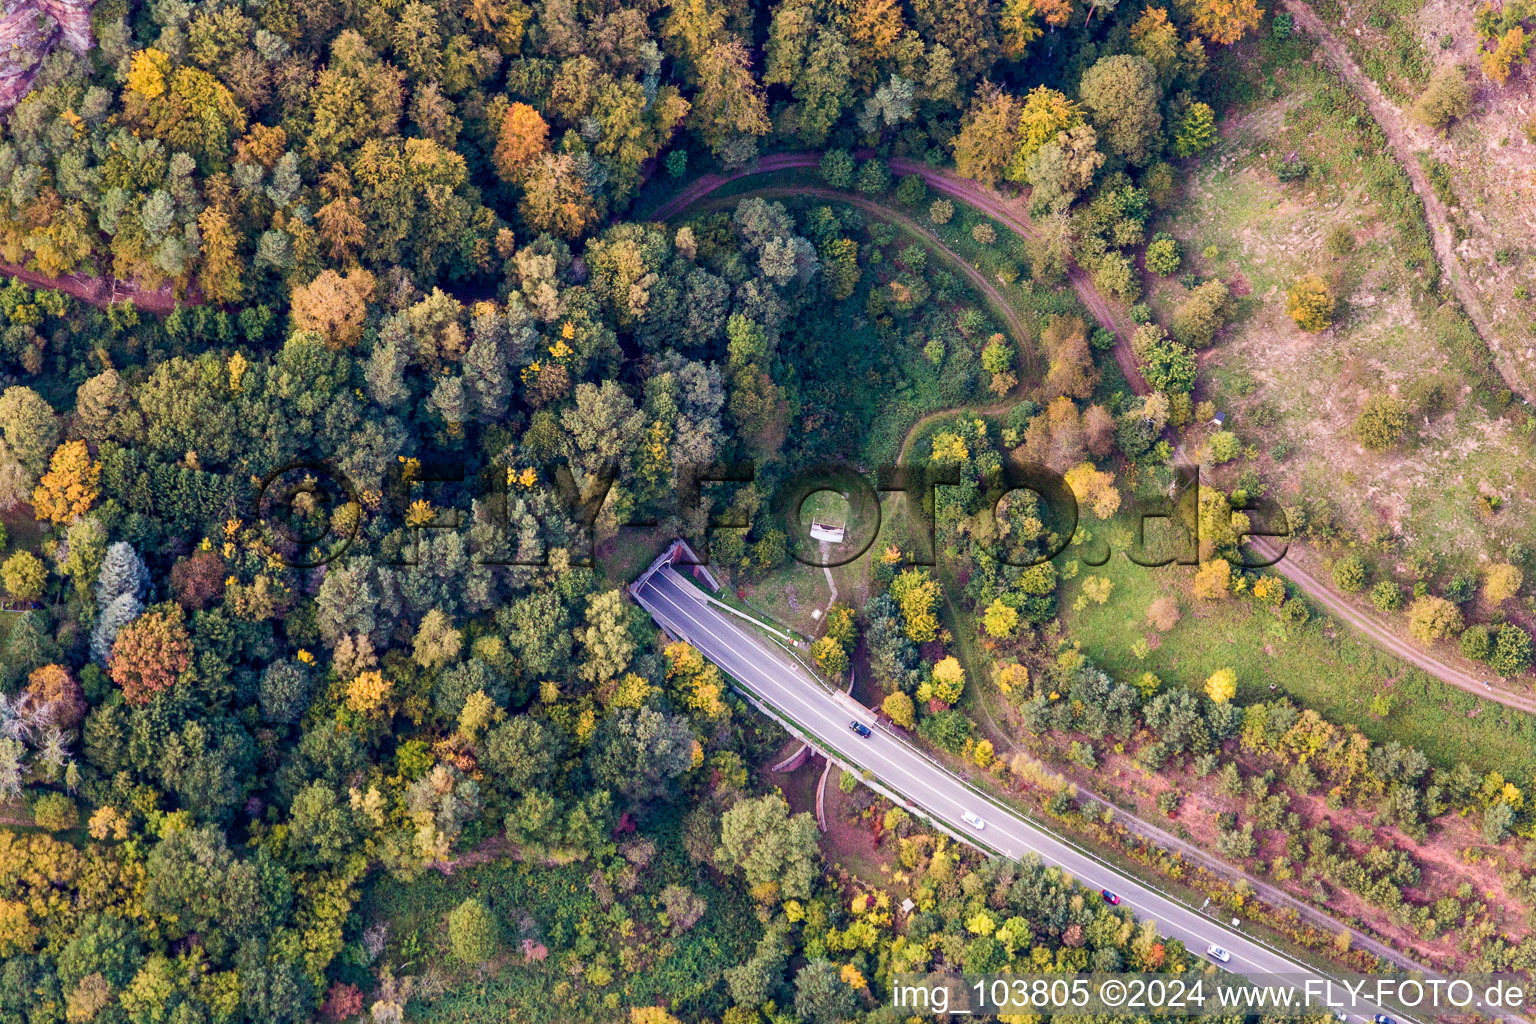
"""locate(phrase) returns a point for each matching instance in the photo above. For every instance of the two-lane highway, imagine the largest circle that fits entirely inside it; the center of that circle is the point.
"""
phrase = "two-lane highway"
(777, 680)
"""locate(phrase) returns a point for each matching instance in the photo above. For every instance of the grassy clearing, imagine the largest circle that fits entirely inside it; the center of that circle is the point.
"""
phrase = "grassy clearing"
(1324, 665)
(560, 909)
(1383, 38)
(829, 508)
(1353, 219)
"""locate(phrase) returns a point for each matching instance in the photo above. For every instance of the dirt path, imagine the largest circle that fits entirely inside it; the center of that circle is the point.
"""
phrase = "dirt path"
(101, 291)
(1010, 212)
(1381, 632)
(1028, 351)
(1394, 125)
(1013, 214)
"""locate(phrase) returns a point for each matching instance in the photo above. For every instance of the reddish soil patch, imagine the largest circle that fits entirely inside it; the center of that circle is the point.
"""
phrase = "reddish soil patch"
(104, 292)
(1442, 865)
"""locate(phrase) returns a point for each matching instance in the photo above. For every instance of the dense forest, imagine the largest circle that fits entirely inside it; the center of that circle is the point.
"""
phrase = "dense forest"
(389, 267)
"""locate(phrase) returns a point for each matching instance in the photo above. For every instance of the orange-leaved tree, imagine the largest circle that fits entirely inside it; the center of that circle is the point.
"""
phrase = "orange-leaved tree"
(150, 653)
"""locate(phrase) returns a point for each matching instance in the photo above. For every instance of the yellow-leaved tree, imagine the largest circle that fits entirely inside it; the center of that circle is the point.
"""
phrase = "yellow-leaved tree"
(68, 489)
(900, 709)
(1221, 687)
(1224, 21)
(1094, 488)
(1213, 579)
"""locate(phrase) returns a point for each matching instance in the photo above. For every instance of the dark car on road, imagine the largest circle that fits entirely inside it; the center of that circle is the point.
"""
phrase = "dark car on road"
(860, 728)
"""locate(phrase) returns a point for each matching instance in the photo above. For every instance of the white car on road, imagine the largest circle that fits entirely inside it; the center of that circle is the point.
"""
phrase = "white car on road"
(1218, 954)
(974, 820)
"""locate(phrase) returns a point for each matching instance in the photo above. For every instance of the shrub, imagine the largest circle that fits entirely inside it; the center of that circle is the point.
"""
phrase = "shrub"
(1499, 61)
(1340, 240)
(1447, 97)
(55, 812)
(1292, 168)
(984, 233)
(1163, 614)
(1496, 821)
(1512, 653)
(1349, 574)
(940, 211)
(1381, 422)
(24, 575)
(837, 168)
(1224, 447)
(1163, 255)
(1501, 582)
(1200, 316)
(1433, 618)
(1387, 596)
(1476, 643)
(1310, 303)
(948, 729)
(1196, 130)
(1114, 274)
(472, 931)
(1160, 184)
(1168, 366)
(1461, 587)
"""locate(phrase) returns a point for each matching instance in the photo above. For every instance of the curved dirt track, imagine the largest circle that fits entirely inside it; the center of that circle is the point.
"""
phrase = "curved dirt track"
(994, 297)
(1012, 214)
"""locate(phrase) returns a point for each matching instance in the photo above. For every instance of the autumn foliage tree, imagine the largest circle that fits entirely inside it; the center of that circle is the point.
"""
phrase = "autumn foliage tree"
(523, 137)
(1501, 582)
(54, 689)
(1221, 687)
(1310, 303)
(150, 654)
(900, 709)
(69, 488)
(1433, 618)
(985, 144)
(24, 575)
(334, 306)
(1095, 489)
(199, 580)
(1499, 62)
(1224, 21)
(1213, 580)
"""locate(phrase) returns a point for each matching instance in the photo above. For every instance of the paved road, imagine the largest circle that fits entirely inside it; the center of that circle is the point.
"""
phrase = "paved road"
(777, 680)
